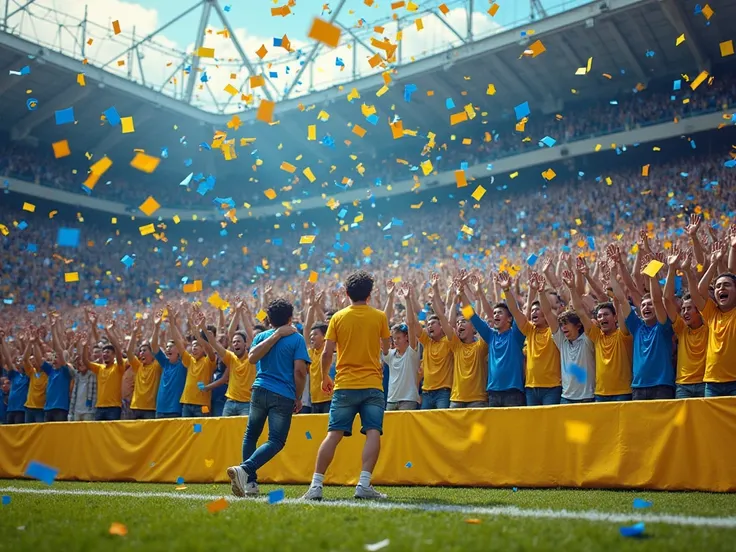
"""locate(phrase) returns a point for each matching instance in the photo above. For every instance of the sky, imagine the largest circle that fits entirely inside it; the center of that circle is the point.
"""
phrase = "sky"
(252, 23)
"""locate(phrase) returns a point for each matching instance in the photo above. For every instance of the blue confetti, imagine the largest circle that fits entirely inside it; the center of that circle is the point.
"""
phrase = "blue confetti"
(180, 480)
(200, 385)
(372, 119)
(522, 110)
(274, 497)
(31, 308)
(64, 116)
(67, 237)
(531, 259)
(548, 141)
(112, 116)
(6, 500)
(197, 428)
(578, 373)
(32, 104)
(449, 103)
(127, 261)
(279, 41)
(25, 70)
(409, 89)
(677, 84)
(42, 472)
(635, 530)
(32, 248)
(227, 8)
(309, 436)
(408, 465)
(640, 503)
(22, 225)
(338, 61)
(100, 302)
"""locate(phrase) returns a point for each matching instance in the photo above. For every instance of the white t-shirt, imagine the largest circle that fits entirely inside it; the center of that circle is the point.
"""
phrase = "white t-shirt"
(402, 378)
(580, 352)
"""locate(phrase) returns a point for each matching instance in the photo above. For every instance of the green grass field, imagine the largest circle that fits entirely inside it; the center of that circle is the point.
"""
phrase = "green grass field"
(77, 516)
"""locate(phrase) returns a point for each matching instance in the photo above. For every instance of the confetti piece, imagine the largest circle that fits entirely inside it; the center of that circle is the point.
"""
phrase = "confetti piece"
(288, 167)
(444, 9)
(274, 497)
(707, 11)
(128, 125)
(6, 500)
(640, 503)
(313, 276)
(270, 193)
(426, 167)
(479, 192)
(205, 52)
(536, 48)
(112, 116)
(653, 268)
(577, 432)
(116, 27)
(256, 81)
(307, 239)
(309, 174)
(680, 39)
(42, 472)
(359, 131)
(312, 132)
(473, 521)
(726, 48)
(493, 10)
(308, 436)
(181, 488)
(457, 118)
(491, 89)
(67, 237)
(522, 110)
(147, 229)
(477, 432)
(64, 116)
(217, 505)
(118, 529)
(262, 51)
(697, 82)
(635, 530)
(377, 546)
(265, 111)
(460, 179)
(145, 163)
(80, 79)
(325, 32)
(549, 174)
(61, 149)
(645, 170)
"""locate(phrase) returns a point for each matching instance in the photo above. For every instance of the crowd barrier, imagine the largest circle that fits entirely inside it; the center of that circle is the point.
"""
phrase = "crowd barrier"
(665, 445)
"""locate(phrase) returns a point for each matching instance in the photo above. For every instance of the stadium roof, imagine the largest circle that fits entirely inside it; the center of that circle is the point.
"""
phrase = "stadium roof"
(632, 37)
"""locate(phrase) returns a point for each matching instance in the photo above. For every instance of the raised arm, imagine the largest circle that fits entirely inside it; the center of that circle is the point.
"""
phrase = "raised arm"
(532, 295)
(439, 311)
(692, 284)
(659, 310)
(674, 260)
(505, 281)
(549, 273)
(389, 308)
(110, 332)
(584, 271)
(259, 351)
(55, 341)
(544, 303)
(692, 231)
(410, 315)
(715, 257)
(200, 322)
(577, 302)
(156, 331)
(732, 249)
(624, 308)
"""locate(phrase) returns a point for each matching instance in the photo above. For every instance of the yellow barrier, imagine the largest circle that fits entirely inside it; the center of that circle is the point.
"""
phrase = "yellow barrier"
(668, 445)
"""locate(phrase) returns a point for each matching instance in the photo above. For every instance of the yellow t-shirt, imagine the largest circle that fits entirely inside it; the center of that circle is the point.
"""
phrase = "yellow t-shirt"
(692, 346)
(315, 378)
(197, 370)
(437, 363)
(720, 364)
(470, 370)
(613, 364)
(543, 366)
(37, 388)
(109, 384)
(358, 330)
(242, 376)
(145, 389)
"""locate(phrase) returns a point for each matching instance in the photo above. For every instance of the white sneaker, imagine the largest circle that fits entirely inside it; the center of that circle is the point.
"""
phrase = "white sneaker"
(314, 493)
(251, 489)
(369, 493)
(238, 480)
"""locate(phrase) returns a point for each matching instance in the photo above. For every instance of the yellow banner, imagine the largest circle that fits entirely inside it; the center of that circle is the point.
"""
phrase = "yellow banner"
(666, 445)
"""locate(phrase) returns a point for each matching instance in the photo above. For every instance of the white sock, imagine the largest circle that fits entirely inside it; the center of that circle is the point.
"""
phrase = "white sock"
(317, 479)
(365, 479)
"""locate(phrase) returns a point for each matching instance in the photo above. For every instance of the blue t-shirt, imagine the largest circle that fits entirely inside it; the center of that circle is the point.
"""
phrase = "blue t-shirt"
(18, 391)
(218, 393)
(57, 388)
(173, 378)
(505, 358)
(652, 352)
(275, 371)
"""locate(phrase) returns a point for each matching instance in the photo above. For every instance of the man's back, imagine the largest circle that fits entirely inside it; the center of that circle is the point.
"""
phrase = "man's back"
(357, 330)
(276, 369)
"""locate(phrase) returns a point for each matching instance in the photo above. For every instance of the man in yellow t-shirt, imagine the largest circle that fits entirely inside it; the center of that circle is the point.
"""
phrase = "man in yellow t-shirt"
(320, 398)
(37, 387)
(200, 365)
(147, 373)
(109, 381)
(543, 381)
(720, 317)
(360, 333)
(437, 363)
(239, 374)
(613, 347)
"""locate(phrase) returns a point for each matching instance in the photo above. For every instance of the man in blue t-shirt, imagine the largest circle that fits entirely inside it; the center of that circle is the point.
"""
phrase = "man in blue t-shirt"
(56, 408)
(654, 373)
(173, 374)
(281, 358)
(505, 352)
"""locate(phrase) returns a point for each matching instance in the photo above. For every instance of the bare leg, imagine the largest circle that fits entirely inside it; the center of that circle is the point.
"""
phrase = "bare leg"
(370, 451)
(327, 451)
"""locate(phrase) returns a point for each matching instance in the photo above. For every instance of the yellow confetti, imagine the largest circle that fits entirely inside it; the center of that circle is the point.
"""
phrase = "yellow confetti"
(270, 193)
(426, 167)
(699, 80)
(726, 48)
(680, 39)
(491, 89)
(144, 163)
(217, 505)
(149, 206)
(309, 174)
(479, 192)
(147, 229)
(118, 529)
(312, 132)
(306, 239)
(71, 277)
(127, 125)
(30, 207)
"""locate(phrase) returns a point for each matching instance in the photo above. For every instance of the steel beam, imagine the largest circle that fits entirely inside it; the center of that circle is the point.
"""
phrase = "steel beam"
(681, 23)
(469, 14)
(34, 118)
(313, 53)
(625, 49)
(202, 27)
(22, 8)
(505, 72)
(452, 29)
(238, 47)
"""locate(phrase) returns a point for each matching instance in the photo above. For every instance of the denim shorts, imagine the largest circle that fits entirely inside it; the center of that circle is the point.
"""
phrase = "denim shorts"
(347, 403)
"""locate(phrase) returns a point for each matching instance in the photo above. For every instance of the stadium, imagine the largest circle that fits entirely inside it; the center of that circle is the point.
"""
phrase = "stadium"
(368, 275)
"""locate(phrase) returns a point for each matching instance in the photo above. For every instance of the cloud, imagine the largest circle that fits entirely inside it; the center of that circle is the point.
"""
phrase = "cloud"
(162, 55)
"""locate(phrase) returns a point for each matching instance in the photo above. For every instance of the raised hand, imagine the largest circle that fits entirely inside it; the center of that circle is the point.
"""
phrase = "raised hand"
(613, 253)
(158, 317)
(434, 279)
(694, 226)
(581, 266)
(675, 256)
(390, 287)
(546, 263)
(568, 279)
(732, 235)
(504, 280)
(716, 252)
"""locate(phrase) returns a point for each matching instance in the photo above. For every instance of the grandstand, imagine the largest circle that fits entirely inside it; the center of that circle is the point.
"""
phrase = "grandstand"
(495, 150)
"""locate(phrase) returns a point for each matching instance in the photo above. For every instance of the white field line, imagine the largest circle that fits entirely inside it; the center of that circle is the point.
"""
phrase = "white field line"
(505, 511)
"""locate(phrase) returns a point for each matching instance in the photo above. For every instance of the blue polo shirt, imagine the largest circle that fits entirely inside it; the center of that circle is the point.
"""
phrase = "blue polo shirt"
(652, 352)
(18, 391)
(171, 386)
(275, 371)
(57, 388)
(505, 358)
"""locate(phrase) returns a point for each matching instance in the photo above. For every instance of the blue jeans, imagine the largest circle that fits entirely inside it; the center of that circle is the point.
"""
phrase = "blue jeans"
(689, 390)
(139, 414)
(321, 407)
(35, 416)
(347, 403)
(725, 389)
(563, 400)
(543, 396)
(192, 411)
(653, 393)
(612, 398)
(163, 415)
(235, 408)
(108, 413)
(265, 404)
(218, 406)
(509, 397)
(438, 398)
